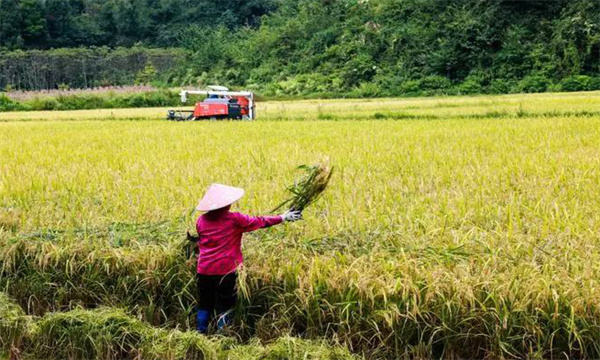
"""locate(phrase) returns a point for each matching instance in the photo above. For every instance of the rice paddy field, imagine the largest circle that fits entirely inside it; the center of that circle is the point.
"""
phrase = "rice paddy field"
(459, 227)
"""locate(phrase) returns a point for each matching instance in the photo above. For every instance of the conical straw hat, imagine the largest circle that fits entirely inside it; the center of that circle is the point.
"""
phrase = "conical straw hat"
(219, 196)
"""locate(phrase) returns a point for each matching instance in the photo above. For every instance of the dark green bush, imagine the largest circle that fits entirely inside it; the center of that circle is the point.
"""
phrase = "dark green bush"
(410, 87)
(533, 84)
(576, 83)
(594, 83)
(434, 82)
(500, 86)
(470, 86)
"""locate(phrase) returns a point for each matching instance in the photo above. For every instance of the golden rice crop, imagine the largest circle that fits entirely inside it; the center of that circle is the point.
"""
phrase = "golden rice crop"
(545, 104)
(308, 188)
(462, 226)
(106, 333)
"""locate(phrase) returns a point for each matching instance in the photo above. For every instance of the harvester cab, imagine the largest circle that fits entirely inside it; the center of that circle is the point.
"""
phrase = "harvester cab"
(219, 104)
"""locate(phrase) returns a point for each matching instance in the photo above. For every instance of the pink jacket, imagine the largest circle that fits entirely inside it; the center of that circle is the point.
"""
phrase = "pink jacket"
(220, 241)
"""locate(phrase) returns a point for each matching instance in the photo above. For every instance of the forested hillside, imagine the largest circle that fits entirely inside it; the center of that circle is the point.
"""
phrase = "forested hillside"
(44, 24)
(300, 47)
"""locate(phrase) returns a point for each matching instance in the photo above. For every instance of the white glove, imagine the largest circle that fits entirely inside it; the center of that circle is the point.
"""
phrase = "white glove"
(292, 215)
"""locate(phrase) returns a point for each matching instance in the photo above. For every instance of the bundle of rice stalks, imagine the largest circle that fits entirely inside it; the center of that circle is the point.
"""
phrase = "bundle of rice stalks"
(13, 326)
(309, 187)
(110, 333)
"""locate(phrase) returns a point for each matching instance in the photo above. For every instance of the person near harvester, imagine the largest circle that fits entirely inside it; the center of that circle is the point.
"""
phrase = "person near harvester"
(220, 238)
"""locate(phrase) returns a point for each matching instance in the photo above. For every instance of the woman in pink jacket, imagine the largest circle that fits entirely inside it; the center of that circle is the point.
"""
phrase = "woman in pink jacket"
(220, 239)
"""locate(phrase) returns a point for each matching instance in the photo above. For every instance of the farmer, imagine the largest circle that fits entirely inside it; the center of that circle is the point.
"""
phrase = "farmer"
(220, 239)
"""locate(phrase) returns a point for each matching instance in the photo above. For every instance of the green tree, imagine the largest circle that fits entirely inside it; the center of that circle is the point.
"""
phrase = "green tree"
(33, 23)
(10, 24)
(146, 75)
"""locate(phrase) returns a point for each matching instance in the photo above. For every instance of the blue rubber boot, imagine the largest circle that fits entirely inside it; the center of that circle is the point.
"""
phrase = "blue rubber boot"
(202, 319)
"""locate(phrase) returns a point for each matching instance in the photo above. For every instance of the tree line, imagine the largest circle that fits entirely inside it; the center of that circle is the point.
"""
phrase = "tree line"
(44, 24)
(87, 67)
(358, 47)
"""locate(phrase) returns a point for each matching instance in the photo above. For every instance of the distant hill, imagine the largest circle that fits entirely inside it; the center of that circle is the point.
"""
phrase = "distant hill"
(327, 47)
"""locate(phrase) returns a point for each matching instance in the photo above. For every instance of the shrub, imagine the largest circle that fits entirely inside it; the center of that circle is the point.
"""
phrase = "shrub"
(6, 104)
(368, 90)
(434, 83)
(533, 84)
(410, 87)
(576, 83)
(500, 86)
(595, 83)
(473, 84)
(45, 103)
(470, 86)
(76, 102)
(389, 83)
(93, 101)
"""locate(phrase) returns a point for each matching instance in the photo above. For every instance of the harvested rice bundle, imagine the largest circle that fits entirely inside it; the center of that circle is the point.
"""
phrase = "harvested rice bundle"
(308, 188)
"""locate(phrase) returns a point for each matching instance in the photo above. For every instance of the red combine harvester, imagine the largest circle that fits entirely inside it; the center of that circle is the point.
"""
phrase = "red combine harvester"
(220, 103)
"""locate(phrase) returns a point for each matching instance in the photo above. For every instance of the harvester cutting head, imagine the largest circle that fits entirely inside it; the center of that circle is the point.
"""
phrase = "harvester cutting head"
(220, 103)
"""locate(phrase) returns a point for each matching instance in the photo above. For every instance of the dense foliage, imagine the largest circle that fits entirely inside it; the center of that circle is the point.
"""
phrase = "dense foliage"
(44, 24)
(398, 47)
(87, 67)
(361, 47)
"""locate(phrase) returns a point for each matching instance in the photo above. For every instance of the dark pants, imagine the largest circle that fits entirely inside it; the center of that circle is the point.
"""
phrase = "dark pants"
(217, 292)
